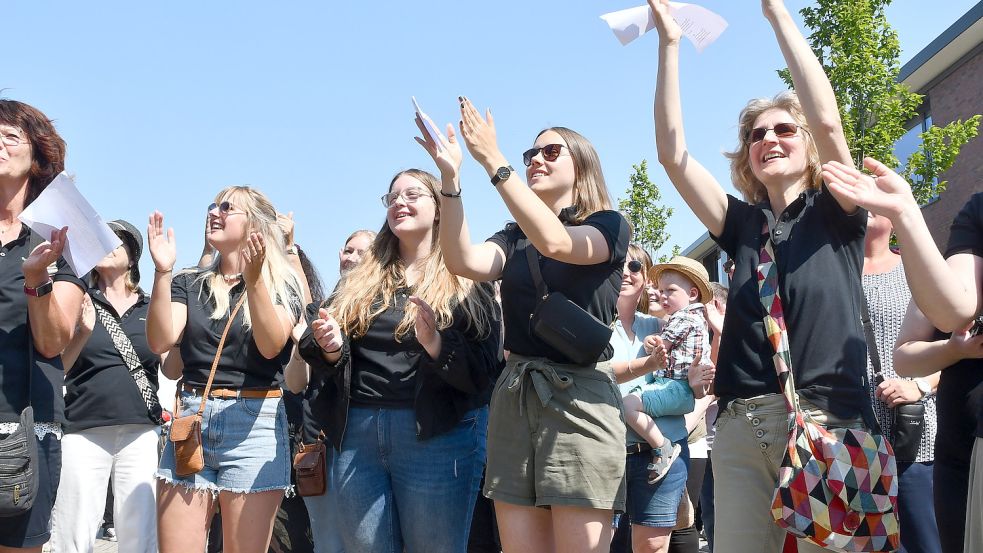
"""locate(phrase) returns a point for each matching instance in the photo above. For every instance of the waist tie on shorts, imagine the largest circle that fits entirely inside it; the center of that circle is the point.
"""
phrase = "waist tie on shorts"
(546, 376)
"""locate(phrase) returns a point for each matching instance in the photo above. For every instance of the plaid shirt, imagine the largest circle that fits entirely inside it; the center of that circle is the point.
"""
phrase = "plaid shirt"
(686, 338)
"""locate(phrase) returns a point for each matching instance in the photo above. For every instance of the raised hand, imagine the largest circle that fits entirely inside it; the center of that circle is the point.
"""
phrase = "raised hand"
(253, 256)
(87, 316)
(35, 267)
(327, 332)
(479, 134)
(665, 23)
(885, 193)
(425, 326)
(163, 248)
(447, 155)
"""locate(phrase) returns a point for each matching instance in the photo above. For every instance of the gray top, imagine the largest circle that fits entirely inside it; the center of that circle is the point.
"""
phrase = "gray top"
(887, 298)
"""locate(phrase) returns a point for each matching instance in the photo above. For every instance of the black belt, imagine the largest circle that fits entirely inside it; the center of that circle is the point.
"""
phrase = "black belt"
(640, 447)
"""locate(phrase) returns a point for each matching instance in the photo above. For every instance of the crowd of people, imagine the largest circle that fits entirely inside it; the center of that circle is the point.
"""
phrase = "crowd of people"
(547, 389)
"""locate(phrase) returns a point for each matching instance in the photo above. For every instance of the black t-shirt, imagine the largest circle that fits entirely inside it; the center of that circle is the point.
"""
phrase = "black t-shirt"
(819, 250)
(241, 365)
(384, 370)
(594, 288)
(47, 373)
(960, 394)
(99, 388)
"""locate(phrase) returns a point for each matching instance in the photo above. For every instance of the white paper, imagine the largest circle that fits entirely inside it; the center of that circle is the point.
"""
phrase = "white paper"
(700, 25)
(428, 124)
(62, 205)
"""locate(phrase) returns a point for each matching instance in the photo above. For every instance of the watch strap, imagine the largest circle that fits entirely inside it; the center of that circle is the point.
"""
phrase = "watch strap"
(40, 290)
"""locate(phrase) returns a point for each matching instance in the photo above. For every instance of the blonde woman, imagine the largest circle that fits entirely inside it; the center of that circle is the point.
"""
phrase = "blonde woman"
(244, 430)
(406, 353)
(556, 435)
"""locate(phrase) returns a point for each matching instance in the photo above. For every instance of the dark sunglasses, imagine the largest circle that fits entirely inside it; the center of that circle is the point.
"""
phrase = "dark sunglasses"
(550, 153)
(634, 266)
(223, 208)
(782, 130)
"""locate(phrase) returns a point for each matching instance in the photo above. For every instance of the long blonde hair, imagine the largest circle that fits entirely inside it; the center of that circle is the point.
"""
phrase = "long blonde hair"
(281, 280)
(370, 288)
(590, 193)
(740, 159)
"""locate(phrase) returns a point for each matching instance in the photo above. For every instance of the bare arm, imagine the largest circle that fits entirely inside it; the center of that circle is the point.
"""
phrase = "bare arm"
(52, 316)
(297, 373)
(172, 366)
(83, 330)
(916, 354)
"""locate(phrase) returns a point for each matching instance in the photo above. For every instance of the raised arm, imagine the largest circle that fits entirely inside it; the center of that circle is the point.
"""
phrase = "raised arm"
(165, 319)
(813, 89)
(271, 322)
(699, 189)
(52, 316)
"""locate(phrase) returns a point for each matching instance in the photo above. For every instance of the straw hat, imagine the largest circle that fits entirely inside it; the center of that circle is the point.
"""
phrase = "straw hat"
(691, 269)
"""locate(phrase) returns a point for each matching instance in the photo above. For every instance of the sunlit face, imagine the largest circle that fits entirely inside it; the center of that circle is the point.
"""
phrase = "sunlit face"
(878, 227)
(556, 176)
(677, 291)
(15, 160)
(227, 227)
(351, 254)
(118, 259)
(632, 282)
(774, 159)
(406, 217)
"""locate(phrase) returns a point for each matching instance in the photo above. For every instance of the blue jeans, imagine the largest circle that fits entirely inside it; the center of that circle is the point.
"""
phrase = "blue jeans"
(324, 522)
(916, 511)
(391, 492)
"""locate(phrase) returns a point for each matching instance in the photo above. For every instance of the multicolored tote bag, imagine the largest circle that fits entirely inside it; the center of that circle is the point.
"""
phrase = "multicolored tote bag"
(837, 488)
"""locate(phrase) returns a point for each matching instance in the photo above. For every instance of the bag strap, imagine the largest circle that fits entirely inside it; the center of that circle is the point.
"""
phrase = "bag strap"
(126, 350)
(218, 356)
(875, 357)
(532, 254)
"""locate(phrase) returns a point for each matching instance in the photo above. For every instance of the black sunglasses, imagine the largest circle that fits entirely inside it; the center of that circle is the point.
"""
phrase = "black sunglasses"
(223, 208)
(634, 266)
(550, 153)
(782, 130)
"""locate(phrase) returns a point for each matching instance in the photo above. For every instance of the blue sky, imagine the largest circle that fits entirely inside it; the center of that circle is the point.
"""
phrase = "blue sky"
(164, 104)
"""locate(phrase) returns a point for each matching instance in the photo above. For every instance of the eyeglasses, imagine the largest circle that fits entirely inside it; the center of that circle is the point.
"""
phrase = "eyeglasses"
(782, 130)
(409, 195)
(550, 153)
(634, 266)
(224, 208)
(11, 139)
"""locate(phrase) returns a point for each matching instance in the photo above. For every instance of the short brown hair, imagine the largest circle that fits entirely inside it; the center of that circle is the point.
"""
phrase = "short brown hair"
(47, 146)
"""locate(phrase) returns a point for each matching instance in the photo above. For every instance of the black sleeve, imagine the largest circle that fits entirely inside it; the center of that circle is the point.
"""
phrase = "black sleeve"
(506, 239)
(180, 285)
(966, 233)
(468, 361)
(616, 231)
(738, 215)
(64, 274)
(851, 226)
(311, 351)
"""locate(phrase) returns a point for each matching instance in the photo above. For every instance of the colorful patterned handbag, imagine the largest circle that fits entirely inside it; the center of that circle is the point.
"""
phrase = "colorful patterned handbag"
(838, 487)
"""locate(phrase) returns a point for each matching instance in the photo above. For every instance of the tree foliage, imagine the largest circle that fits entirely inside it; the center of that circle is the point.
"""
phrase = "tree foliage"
(860, 52)
(642, 209)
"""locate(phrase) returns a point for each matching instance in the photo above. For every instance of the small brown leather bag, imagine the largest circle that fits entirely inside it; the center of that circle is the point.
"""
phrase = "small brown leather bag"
(310, 468)
(185, 432)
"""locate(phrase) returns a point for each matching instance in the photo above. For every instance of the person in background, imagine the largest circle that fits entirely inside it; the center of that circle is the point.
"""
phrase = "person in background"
(112, 414)
(716, 311)
(353, 250)
(35, 282)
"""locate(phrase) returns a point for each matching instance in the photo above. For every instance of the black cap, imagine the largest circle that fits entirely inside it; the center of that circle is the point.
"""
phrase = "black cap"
(134, 242)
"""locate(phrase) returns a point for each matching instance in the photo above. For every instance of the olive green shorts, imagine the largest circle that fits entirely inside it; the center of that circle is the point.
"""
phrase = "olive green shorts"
(556, 436)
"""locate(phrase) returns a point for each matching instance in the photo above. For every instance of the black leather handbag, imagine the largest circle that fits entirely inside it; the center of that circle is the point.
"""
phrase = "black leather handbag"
(19, 459)
(564, 325)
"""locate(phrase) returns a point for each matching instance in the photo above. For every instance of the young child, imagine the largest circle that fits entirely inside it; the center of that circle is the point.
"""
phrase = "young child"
(685, 289)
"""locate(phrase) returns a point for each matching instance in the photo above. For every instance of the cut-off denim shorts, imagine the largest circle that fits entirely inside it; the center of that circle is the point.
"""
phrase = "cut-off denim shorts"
(245, 444)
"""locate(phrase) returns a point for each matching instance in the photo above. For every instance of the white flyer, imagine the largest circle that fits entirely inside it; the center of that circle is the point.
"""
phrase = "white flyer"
(700, 25)
(62, 205)
(428, 124)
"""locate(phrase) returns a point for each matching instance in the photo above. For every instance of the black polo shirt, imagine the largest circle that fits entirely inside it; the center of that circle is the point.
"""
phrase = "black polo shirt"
(241, 365)
(384, 370)
(960, 394)
(47, 373)
(595, 288)
(819, 250)
(99, 388)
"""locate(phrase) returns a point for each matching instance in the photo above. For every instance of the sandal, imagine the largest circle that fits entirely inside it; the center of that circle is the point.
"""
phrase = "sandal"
(659, 467)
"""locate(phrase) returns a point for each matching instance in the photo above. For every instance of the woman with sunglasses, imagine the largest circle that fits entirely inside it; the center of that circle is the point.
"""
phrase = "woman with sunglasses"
(565, 411)
(405, 354)
(244, 425)
(41, 298)
(818, 238)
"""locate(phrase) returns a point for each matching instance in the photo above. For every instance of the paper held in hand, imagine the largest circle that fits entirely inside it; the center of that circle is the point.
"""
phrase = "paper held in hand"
(62, 205)
(700, 25)
(428, 124)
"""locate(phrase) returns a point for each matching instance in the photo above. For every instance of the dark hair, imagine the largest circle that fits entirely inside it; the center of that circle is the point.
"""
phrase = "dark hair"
(312, 276)
(47, 146)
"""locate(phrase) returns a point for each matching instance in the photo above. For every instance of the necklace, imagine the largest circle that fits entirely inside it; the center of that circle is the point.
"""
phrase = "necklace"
(229, 279)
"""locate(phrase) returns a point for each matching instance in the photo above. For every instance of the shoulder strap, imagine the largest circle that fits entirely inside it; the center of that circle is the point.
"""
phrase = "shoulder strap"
(532, 254)
(875, 357)
(126, 351)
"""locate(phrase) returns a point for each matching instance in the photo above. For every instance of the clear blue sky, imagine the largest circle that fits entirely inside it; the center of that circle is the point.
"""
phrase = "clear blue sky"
(163, 104)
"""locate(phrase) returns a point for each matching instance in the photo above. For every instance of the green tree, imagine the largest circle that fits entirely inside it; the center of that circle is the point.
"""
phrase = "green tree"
(860, 51)
(642, 209)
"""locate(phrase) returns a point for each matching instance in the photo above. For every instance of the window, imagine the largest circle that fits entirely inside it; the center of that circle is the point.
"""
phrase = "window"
(910, 141)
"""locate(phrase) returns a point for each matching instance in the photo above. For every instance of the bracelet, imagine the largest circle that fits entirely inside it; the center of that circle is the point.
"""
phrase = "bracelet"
(162, 271)
(446, 195)
(332, 351)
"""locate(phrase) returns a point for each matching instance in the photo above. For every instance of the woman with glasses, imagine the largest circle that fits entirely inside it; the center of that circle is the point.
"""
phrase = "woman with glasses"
(405, 354)
(818, 238)
(556, 434)
(244, 425)
(41, 299)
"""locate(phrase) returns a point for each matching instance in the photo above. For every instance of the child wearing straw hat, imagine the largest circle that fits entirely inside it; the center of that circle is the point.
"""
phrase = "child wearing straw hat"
(685, 287)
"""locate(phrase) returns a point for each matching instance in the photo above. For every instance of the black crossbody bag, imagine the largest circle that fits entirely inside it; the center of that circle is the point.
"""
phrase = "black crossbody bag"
(908, 419)
(562, 324)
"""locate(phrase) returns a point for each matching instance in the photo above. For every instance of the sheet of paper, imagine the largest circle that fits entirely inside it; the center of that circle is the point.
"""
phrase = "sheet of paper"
(428, 124)
(700, 25)
(62, 205)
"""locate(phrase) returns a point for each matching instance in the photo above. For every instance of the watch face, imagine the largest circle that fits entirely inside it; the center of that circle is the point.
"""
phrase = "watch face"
(504, 173)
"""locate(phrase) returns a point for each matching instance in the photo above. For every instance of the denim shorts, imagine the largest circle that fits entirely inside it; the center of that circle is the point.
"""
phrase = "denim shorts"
(245, 444)
(655, 505)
